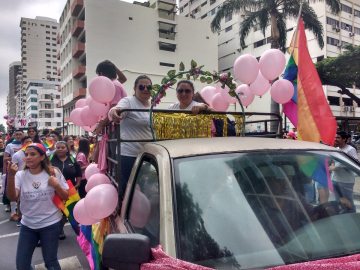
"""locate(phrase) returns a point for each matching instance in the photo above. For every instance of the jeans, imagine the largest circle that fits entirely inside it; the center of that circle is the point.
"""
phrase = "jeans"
(309, 192)
(28, 239)
(126, 166)
(347, 190)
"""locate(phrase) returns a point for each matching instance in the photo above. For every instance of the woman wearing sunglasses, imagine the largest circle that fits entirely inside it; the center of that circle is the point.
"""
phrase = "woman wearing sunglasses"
(185, 92)
(133, 125)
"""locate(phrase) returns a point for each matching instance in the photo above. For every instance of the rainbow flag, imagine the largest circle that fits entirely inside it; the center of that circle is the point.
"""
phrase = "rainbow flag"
(25, 145)
(48, 144)
(308, 110)
(69, 205)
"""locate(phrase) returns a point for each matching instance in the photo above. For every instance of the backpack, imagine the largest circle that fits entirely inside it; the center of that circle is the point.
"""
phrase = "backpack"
(219, 124)
(72, 159)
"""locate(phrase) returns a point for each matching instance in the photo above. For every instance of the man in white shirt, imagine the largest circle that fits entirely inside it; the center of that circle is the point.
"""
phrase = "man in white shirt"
(343, 179)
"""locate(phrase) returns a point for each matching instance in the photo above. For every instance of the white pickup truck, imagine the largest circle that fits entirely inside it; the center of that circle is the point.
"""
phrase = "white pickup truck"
(232, 203)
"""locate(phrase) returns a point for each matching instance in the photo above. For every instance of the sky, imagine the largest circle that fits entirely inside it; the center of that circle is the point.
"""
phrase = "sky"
(11, 12)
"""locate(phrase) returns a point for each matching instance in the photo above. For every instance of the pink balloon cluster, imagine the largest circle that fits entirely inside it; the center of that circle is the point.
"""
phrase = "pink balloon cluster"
(88, 111)
(101, 198)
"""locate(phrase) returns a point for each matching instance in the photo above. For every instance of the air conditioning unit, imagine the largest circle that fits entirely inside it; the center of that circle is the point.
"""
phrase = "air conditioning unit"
(345, 109)
(338, 45)
(351, 34)
(352, 109)
(337, 29)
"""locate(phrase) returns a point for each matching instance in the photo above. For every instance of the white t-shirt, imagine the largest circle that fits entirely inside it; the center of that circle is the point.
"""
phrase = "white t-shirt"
(50, 152)
(37, 207)
(341, 174)
(18, 159)
(176, 106)
(12, 148)
(134, 126)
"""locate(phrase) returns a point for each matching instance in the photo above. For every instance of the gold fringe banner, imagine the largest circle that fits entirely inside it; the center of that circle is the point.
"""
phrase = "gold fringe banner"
(181, 125)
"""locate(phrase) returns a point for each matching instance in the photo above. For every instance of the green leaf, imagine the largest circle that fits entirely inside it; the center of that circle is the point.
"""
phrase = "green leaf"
(195, 77)
(188, 77)
(201, 67)
(171, 73)
(181, 66)
(173, 81)
(180, 76)
(163, 81)
(193, 64)
(202, 79)
(156, 87)
(209, 80)
(208, 73)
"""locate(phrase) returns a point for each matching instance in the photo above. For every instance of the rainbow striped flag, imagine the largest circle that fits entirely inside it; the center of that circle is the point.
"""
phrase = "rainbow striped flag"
(48, 144)
(308, 110)
(25, 145)
(69, 205)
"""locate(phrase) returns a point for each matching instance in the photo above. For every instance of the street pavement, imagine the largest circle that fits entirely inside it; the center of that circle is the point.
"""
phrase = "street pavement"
(70, 255)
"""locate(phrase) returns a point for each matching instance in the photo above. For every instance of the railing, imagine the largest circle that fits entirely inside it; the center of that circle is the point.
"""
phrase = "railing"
(114, 141)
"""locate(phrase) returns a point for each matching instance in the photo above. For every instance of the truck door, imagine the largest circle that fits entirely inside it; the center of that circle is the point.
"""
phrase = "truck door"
(143, 211)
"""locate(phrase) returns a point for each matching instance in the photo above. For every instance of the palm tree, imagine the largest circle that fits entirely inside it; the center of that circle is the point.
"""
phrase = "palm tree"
(273, 13)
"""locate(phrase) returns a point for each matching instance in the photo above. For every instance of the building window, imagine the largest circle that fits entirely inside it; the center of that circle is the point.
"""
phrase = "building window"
(54, 44)
(33, 91)
(54, 62)
(54, 56)
(48, 50)
(167, 47)
(54, 50)
(54, 73)
(357, 30)
(228, 17)
(47, 37)
(47, 44)
(58, 114)
(54, 27)
(212, 2)
(48, 124)
(34, 108)
(204, 16)
(357, 13)
(333, 101)
(319, 58)
(33, 99)
(48, 55)
(48, 66)
(332, 41)
(54, 39)
(167, 64)
(346, 9)
(181, 10)
(346, 27)
(42, 25)
(48, 61)
(260, 43)
(53, 33)
(57, 96)
(58, 124)
(203, 4)
(227, 29)
(34, 115)
(48, 26)
(48, 72)
(213, 11)
(47, 32)
(332, 21)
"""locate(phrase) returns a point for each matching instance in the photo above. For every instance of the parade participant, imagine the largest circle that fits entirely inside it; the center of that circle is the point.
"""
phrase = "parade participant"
(10, 150)
(343, 180)
(36, 186)
(33, 133)
(348, 142)
(133, 125)
(55, 137)
(46, 132)
(18, 159)
(43, 138)
(291, 135)
(2, 151)
(83, 159)
(185, 92)
(109, 70)
(69, 168)
(70, 143)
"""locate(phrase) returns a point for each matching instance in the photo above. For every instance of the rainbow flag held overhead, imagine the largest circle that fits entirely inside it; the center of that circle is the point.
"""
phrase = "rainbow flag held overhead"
(308, 110)
(48, 144)
(69, 205)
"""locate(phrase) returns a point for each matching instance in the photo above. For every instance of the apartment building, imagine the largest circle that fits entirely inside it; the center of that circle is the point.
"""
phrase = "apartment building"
(140, 38)
(338, 30)
(39, 51)
(42, 97)
(15, 72)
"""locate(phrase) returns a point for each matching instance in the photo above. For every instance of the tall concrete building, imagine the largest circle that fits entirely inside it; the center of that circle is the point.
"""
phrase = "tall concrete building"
(338, 30)
(39, 51)
(138, 38)
(15, 72)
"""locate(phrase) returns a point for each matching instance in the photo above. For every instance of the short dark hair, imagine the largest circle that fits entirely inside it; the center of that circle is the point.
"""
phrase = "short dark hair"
(57, 134)
(107, 69)
(185, 81)
(46, 132)
(342, 134)
(24, 139)
(19, 130)
(141, 77)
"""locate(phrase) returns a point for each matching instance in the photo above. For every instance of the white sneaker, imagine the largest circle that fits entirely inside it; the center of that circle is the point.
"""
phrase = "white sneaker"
(8, 208)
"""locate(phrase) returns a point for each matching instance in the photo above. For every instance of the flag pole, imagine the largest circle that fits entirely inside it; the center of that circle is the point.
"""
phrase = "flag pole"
(297, 28)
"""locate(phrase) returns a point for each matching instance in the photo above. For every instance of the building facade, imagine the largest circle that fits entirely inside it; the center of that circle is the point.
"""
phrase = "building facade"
(338, 30)
(39, 51)
(138, 38)
(42, 111)
(15, 72)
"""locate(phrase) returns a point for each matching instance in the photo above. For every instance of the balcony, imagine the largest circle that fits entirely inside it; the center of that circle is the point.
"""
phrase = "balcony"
(58, 56)
(67, 120)
(58, 38)
(58, 72)
(77, 28)
(78, 50)
(79, 93)
(45, 107)
(59, 105)
(76, 7)
(79, 71)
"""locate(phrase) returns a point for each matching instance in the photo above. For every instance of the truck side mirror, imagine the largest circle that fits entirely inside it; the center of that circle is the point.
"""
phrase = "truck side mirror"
(126, 251)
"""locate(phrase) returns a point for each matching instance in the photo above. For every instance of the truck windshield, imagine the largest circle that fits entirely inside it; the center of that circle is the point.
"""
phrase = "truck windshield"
(261, 209)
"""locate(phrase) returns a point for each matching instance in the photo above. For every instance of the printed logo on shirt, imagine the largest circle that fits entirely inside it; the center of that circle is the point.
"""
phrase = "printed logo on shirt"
(1, 154)
(36, 185)
(16, 149)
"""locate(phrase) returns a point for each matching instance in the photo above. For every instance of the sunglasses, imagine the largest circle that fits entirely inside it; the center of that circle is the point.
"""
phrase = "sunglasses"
(142, 87)
(180, 91)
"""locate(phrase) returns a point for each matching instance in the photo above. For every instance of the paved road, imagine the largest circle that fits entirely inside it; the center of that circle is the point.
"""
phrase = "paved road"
(70, 255)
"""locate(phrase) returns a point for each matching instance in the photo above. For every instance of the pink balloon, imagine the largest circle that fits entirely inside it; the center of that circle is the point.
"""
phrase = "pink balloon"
(75, 117)
(272, 63)
(140, 209)
(260, 86)
(101, 201)
(245, 95)
(282, 91)
(81, 215)
(218, 87)
(91, 170)
(225, 95)
(246, 68)
(80, 103)
(102, 89)
(87, 101)
(87, 117)
(219, 104)
(88, 128)
(98, 108)
(207, 94)
(95, 180)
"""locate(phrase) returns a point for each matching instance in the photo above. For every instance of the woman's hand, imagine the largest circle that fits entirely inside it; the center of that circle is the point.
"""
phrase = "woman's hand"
(197, 108)
(114, 115)
(53, 182)
(346, 203)
(12, 169)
